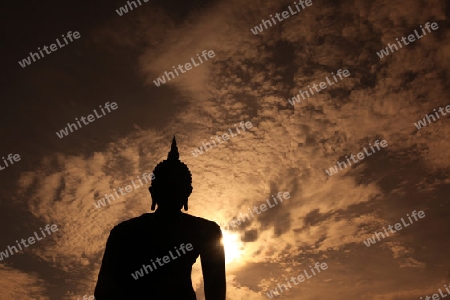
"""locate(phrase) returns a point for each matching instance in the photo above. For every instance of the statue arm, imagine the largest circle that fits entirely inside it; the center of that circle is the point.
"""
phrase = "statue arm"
(108, 283)
(213, 267)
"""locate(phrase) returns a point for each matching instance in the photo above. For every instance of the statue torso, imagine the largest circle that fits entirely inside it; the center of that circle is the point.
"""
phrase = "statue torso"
(142, 240)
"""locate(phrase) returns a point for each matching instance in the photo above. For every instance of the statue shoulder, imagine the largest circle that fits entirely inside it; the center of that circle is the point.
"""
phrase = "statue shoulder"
(206, 226)
(130, 225)
(202, 221)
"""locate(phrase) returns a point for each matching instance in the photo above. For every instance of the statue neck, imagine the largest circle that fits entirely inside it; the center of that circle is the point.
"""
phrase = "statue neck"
(168, 212)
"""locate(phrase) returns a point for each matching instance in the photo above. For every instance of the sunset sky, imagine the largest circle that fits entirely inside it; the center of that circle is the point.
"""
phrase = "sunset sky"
(250, 79)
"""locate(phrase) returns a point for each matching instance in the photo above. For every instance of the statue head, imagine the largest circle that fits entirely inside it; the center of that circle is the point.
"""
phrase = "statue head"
(172, 185)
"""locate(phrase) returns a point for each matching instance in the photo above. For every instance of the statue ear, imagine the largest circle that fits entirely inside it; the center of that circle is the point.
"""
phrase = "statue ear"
(150, 189)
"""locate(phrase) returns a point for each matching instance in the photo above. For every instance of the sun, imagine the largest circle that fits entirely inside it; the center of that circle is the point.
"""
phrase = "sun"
(233, 246)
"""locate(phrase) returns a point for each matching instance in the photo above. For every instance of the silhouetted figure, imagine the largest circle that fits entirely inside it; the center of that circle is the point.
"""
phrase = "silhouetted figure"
(151, 256)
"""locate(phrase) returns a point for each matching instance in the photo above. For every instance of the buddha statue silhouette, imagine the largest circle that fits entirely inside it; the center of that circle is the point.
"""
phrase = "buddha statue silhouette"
(151, 256)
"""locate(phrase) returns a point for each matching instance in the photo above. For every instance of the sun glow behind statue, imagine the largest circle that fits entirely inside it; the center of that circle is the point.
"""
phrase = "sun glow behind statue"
(233, 246)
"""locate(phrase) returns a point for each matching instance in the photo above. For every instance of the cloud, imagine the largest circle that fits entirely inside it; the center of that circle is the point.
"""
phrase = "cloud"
(287, 149)
(16, 284)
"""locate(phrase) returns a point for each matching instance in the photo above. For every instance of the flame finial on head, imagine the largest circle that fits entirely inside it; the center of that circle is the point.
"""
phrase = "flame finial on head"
(173, 153)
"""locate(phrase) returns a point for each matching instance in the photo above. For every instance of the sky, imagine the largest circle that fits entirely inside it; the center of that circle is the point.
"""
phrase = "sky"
(287, 149)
